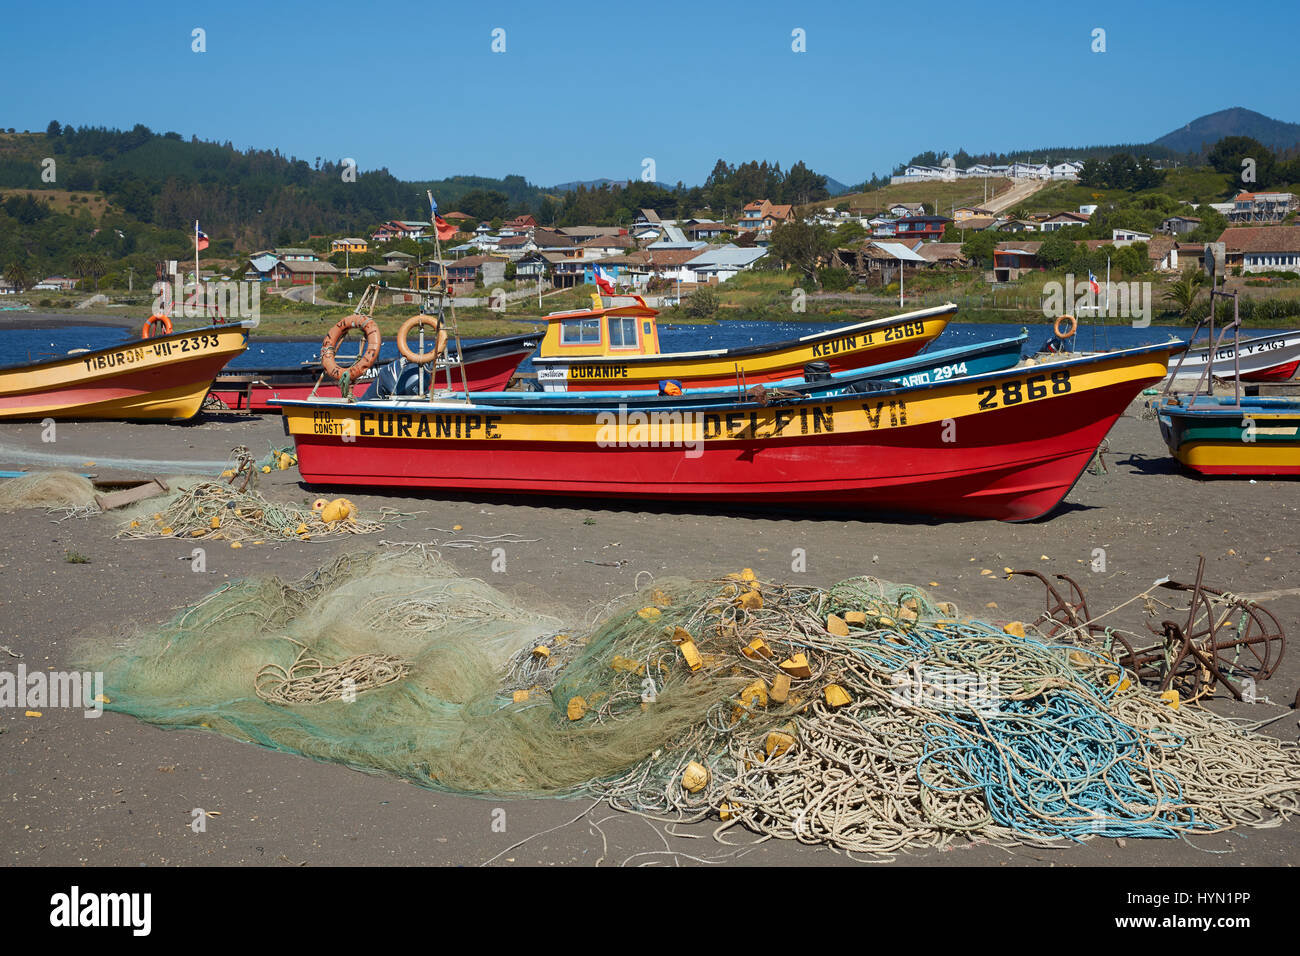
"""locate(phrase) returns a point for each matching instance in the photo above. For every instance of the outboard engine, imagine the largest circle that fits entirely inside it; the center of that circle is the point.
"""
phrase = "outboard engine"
(817, 372)
(397, 378)
(1054, 345)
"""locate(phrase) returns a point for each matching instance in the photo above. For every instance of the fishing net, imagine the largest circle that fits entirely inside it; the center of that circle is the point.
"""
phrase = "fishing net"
(218, 511)
(47, 489)
(867, 716)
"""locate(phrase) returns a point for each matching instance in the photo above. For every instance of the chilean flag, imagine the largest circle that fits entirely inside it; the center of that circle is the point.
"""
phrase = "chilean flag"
(200, 237)
(1093, 283)
(445, 229)
(603, 280)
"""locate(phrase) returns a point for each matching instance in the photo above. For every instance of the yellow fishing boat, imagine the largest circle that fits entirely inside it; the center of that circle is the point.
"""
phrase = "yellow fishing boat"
(156, 379)
(616, 347)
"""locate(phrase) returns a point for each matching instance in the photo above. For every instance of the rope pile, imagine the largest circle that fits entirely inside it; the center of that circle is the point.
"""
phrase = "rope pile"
(308, 681)
(952, 729)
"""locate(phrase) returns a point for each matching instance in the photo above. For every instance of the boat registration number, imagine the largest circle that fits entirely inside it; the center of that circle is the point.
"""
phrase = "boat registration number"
(185, 346)
(1252, 349)
(906, 330)
(940, 373)
(1013, 391)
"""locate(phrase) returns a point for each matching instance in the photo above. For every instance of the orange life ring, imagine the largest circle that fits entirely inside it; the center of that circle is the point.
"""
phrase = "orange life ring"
(336, 335)
(421, 358)
(160, 320)
(1071, 328)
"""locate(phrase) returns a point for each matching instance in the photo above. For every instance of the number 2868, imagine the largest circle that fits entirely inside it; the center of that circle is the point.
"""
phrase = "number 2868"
(1014, 391)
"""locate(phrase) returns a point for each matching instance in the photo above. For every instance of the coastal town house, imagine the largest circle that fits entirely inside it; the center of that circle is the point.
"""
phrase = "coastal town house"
(1262, 248)
(763, 216)
(921, 227)
(1261, 207)
(1011, 260)
(1063, 220)
(400, 229)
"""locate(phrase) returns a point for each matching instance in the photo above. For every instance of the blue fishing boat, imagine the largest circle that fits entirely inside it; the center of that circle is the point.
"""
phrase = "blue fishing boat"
(398, 380)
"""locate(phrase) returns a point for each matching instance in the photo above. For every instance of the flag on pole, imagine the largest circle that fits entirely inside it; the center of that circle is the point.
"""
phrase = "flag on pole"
(1093, 283)
(200, 237)
(603, 280)
(444, 229)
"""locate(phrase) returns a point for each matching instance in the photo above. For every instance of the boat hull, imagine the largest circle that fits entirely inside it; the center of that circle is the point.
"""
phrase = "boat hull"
(1267, 358)
(489, 366)
(159, 379)
(937, 449)
(844, 349)
(1218, 437)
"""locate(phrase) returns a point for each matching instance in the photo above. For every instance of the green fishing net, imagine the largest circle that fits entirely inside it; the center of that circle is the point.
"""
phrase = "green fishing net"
(866, 716)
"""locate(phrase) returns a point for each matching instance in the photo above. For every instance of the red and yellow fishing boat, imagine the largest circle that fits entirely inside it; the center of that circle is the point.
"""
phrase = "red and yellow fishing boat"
(157, 379)
(616, 347)
(1007, 444)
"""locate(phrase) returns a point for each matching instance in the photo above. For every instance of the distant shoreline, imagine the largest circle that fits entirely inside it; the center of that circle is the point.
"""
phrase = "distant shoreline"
(60, 320)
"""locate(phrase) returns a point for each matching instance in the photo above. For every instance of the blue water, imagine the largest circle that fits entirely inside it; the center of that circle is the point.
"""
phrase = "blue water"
(26, 345)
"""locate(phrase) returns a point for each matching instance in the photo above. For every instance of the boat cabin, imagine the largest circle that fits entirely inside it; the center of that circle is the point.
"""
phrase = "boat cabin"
(608, 331)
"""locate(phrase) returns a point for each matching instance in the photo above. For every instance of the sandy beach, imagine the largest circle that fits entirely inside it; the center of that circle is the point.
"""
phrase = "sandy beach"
(115, 791)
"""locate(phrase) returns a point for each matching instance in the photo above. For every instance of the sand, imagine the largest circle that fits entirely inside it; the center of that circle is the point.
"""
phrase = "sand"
(114, 791)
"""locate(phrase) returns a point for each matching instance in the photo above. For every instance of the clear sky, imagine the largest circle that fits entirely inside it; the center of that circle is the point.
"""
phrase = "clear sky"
(586, 90)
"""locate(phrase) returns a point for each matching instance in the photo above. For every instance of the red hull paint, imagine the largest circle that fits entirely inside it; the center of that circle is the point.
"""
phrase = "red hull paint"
(849, 362)
(488, 375)
(908, 469)
(1278, 373)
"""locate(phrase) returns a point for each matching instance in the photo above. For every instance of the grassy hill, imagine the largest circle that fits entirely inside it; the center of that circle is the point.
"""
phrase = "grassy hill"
(962, 192)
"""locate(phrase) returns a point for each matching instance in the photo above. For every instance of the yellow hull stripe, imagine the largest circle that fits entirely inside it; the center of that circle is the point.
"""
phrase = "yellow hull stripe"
(1239, 454)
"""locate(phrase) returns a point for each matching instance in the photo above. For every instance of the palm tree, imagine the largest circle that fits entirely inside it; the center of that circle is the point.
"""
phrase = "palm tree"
(17, 275)
(1185, 290)
(89, 265)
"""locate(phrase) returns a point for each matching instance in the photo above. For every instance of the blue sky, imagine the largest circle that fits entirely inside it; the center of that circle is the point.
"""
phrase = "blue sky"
(587, 90)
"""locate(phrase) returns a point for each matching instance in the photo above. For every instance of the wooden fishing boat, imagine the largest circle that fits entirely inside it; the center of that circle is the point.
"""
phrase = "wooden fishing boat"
(1237, 435)
(158, 379)
(938, 366)
(489, 366)
(1226, 435)
(1007, 444)
(1266, 358)
(616, 347)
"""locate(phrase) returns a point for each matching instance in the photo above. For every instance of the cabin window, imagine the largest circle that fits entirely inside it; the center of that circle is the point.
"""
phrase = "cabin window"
(645, 328)
(580, 332)
(622, 333)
